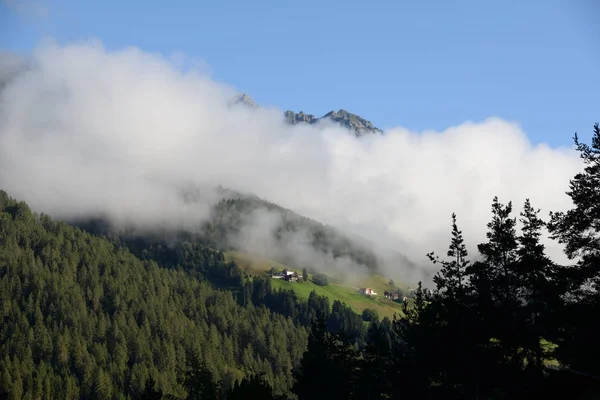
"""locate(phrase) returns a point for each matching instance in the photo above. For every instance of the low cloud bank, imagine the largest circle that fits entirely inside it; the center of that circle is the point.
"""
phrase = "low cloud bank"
(85, 131)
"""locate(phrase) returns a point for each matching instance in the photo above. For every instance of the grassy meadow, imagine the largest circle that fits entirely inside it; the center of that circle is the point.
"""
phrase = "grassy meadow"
(346, 292)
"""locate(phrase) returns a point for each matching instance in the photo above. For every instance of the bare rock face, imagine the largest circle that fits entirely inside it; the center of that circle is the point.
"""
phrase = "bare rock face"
(245, 100)
(356, 124)
(359, 126)
(293, 118)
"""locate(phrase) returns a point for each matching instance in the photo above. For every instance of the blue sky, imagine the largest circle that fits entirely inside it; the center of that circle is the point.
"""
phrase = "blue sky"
(419, 64)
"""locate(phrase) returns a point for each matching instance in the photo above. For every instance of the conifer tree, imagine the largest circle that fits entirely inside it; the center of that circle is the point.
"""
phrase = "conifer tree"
(254, 387)
(579, 230)
(199, 381)
(499, 251)
(495, 284)
(376, 369)
(329, 367)
(150, 391)
(535, 270)
(450, 279)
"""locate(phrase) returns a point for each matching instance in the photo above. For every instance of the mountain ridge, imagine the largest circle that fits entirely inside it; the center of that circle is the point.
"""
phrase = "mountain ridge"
(358, 125)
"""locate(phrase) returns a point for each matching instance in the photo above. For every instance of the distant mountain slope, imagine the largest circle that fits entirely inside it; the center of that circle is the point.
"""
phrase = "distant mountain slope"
(327, 243)
(231, 215)
(356, 124)
(290, 238)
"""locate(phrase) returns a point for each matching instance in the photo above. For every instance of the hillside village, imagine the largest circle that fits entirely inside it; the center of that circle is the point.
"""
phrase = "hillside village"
(289, 275)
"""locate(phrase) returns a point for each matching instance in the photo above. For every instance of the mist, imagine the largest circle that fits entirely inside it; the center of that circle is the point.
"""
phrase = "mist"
(85, 131)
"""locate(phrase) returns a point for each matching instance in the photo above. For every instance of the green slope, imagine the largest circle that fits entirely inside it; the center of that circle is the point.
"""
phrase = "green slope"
(253, 264)
(346, 292)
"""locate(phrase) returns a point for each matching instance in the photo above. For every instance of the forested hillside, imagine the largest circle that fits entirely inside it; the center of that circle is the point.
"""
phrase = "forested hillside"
(234, 213)
(228, 219)
(82, 316)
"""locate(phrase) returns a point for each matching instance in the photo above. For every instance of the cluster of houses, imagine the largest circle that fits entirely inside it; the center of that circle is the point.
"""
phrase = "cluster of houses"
(391, 295)
(388, 295)
(394, 296)
(287, 275)
(292, 276)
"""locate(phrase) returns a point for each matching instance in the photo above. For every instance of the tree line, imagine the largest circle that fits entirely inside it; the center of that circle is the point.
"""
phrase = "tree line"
(511, 325)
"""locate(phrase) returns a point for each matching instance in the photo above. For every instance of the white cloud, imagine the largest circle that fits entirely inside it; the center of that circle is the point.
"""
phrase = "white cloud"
(85, 130)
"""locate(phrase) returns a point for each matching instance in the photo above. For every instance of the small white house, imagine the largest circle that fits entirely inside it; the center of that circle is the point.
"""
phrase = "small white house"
(367, 292)
(290, 276)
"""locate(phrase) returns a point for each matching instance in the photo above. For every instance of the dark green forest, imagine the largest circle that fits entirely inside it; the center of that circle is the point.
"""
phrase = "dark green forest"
(85, 315)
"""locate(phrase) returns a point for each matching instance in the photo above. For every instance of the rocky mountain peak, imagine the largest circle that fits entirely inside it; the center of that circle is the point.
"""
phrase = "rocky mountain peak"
(297, 118)
(359, 126)
(245, 100)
